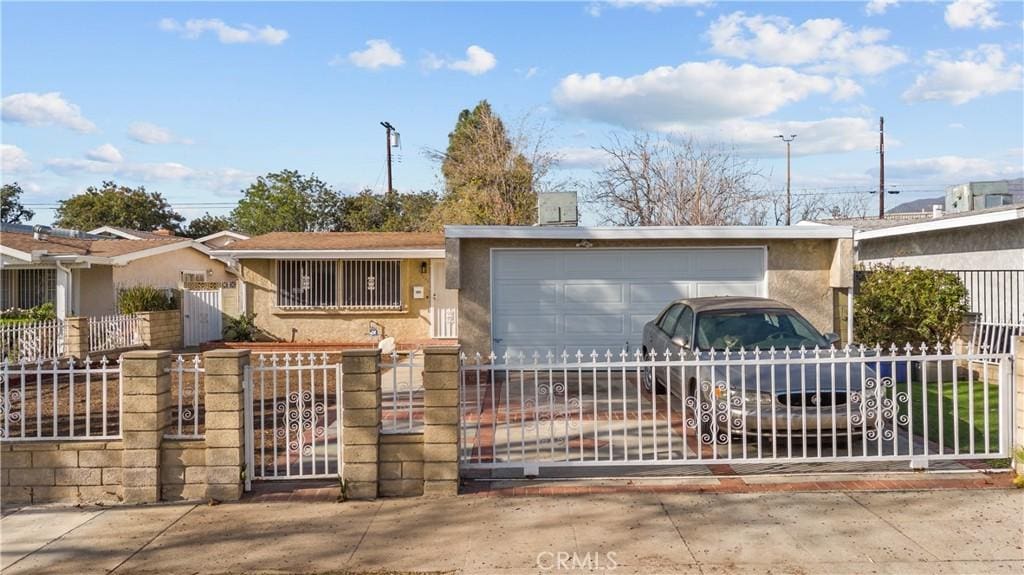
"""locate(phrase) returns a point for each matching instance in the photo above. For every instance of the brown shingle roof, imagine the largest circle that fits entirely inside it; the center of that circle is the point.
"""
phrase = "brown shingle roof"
(56, 245)
(341, 241)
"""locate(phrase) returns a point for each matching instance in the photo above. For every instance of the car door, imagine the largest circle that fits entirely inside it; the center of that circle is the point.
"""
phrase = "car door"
(661, 335)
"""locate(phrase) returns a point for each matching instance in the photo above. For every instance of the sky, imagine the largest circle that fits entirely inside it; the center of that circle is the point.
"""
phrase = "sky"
(195, 100)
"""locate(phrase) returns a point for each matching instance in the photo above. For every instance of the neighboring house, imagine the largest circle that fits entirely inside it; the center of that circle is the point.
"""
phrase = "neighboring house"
(346, 287)
(80, 272)
(985, 248)
(222, 239)
(563, 289)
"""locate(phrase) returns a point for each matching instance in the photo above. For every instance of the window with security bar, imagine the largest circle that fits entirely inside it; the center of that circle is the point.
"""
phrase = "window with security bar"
(371, 284)
(307, 283)
(27, 288)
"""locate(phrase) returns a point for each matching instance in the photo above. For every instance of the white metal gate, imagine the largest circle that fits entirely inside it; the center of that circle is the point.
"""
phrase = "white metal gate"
(292, 418)
(444, 305)
(202, 316)
(760, 407)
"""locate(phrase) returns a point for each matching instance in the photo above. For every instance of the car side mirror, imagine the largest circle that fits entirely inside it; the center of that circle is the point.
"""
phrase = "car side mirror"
(831, 337)
(681, 341)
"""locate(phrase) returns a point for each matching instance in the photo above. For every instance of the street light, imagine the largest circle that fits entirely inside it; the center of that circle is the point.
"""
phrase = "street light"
(789, 197)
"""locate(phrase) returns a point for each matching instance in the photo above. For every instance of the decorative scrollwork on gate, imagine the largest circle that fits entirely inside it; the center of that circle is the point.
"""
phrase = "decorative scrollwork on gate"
(877, 404)
(709, 411)
(304, 421)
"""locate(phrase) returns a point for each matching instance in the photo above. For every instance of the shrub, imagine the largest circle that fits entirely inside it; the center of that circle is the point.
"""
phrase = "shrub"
(241, 328)
(144, 298)
(900, 305)
(42, 312)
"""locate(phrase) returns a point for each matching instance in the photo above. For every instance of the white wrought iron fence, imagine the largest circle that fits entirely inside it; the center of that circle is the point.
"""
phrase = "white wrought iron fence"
(110, 332)
(995, 337)
(292, 417)
(402, 393)
(60, 399)
(187, 417)
(916, 404)
(32, 341)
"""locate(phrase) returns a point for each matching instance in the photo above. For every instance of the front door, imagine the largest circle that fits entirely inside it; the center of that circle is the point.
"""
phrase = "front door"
(444, 305)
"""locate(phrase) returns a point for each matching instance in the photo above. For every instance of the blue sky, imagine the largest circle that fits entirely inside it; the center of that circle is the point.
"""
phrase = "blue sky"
(196, 99)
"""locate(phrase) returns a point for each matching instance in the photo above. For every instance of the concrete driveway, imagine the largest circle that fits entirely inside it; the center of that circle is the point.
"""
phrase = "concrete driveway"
(887, 532)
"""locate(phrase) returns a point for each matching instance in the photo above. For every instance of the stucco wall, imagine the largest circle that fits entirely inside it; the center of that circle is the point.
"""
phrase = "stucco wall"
(95, 291)
(992, 247)
(799, 274)
(164, 270)
(336, 326)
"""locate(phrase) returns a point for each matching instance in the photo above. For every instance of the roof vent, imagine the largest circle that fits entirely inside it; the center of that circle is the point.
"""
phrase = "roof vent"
(557, 209)
(163, 232)
(936, 211)
(41, 232)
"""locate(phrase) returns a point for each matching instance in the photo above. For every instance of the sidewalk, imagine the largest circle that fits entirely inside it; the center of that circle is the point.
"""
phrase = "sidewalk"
(949, 531)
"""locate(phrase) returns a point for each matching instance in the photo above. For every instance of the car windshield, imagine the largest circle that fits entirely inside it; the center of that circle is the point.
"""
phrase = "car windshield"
(733, 329)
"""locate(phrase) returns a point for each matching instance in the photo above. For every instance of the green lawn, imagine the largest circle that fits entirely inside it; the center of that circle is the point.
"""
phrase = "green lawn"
(962, 415)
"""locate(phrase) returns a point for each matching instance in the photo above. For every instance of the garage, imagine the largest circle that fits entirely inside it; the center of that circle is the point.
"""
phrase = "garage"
(585, 299)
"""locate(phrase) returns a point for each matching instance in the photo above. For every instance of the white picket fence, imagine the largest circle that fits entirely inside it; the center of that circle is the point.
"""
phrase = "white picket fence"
(32, 341)
(110, 332)
(187, 418)
(402, 393)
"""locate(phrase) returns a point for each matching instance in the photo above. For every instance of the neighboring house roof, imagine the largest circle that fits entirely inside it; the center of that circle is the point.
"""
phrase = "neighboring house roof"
(222, 234)
(130, 234)
(946, 222)
(27, 247)
(650, 232)
(871, 223)
(337, 244)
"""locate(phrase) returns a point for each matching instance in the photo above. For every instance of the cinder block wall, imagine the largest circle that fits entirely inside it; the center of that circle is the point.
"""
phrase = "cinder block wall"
(183, 470)
(55, 471)
(401, 465)
(162, 329)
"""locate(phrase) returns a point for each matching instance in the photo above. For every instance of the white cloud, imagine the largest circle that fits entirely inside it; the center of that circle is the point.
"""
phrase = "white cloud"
(105, 153)
(595, 9)
(49, 109)
(956, 126)
(846, 89)
(972, 14)
(378, 53)
(980, 72)
(951, 169)
(226, 34)
(757, 137)
(13, 159)
(877, 7)
(213, 179)
(691, 93)
(149, 133)
(477, 61)
(581, 158)
(822, 44)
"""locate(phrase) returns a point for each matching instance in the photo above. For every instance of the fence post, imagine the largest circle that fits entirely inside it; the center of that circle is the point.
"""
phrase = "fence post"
(225, 422)
(146, 391)
(441, 420)
(1018, 404)
(76, 337)
(361, 414)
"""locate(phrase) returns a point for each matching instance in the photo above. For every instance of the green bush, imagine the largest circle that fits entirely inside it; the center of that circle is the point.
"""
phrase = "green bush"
(144, 298)
(900, 305)
(42, 312)
(241, 328)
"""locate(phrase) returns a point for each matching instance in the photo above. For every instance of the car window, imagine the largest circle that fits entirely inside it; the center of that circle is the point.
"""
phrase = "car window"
(668, 321)
(684, 327)
(748, 329)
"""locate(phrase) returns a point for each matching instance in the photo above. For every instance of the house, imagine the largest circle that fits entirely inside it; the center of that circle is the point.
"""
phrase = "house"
(563, 289)
(346, 287)
(81, 272)
(984, 247)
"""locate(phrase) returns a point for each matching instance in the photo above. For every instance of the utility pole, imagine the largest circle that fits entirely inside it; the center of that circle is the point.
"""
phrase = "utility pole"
(881, 167)
(388, 128)
(789, 195)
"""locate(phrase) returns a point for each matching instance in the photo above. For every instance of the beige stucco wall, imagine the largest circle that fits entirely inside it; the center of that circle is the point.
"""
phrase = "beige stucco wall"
(991, 247)
(164, 270)
(336, 326)
(95, 291)
(800, 274)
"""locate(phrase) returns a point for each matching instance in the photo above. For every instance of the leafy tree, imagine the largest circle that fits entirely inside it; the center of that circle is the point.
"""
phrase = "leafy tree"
(489, 178)
(286, 201)
(901, 305)
(120, 206)
(389, 212)
(207, 224)
(11, 210)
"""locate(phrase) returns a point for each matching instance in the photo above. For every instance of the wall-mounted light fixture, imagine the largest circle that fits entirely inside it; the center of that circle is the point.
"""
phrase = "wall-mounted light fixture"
(423, 268)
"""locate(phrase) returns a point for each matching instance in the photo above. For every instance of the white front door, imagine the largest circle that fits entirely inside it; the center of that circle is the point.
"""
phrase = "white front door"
(600, 299)
(202, 316)
(444, 305)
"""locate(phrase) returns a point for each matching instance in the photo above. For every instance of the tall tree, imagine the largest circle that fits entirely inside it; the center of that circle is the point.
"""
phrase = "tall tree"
(389, 212)
(120, 206)
(207, 224)
(286, 201)
(491, 175)
(11, 210)
(664, 181)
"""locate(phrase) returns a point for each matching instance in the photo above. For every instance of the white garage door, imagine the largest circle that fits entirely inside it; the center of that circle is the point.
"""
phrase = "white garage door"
(555, 300)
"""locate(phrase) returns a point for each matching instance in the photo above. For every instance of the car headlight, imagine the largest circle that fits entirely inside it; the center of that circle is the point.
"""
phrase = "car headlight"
(746, 399)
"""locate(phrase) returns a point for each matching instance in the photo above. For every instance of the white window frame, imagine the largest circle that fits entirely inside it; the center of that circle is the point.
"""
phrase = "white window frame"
(334, 293)
(316, 292)
(182, 273)
(382, 288)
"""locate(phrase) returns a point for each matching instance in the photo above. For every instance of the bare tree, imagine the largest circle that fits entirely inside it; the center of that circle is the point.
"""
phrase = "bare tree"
(809, 206)
(666, 181)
